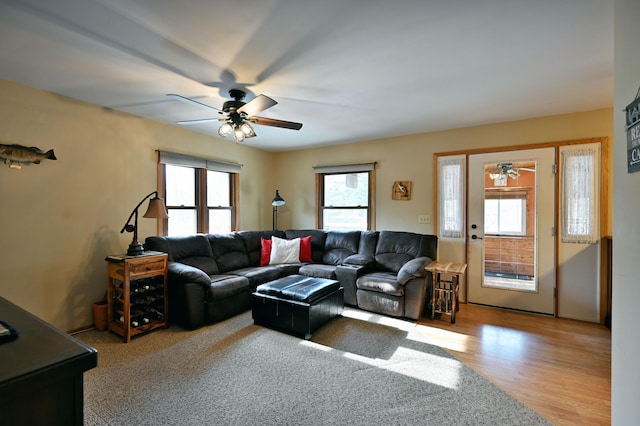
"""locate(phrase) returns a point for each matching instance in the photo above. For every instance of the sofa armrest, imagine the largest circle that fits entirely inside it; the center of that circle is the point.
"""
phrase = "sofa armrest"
(347, 275)
(413, 269)
(358, 260)
(180, 273)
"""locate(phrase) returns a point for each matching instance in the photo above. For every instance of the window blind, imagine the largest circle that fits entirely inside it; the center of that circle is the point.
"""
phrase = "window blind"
(165, 157)
(346, 168)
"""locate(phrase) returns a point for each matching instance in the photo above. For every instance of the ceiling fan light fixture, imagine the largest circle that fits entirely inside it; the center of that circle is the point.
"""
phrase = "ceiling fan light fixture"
(225, 130)
(239, 134)
(247, 130)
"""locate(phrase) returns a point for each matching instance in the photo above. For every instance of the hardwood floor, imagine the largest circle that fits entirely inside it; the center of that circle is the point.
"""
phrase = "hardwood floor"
(560, 368)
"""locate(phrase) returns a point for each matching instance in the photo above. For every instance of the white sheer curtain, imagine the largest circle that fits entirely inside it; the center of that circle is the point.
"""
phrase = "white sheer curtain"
(579, 195)
(451, 196)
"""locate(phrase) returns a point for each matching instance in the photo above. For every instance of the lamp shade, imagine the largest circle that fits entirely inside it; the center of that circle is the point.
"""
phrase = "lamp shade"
(156, 209)
(277, 200)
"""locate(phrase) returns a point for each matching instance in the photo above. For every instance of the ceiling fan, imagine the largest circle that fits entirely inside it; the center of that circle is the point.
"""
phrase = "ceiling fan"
(237, 116)
(506, 169)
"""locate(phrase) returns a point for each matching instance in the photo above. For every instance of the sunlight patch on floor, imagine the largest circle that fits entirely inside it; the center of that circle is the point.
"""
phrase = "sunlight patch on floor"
(409, 359)
(444, 338)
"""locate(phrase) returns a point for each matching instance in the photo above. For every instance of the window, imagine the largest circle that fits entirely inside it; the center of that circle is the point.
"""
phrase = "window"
(345, 197)
(579, 194)
(451, 196)
(200, 195)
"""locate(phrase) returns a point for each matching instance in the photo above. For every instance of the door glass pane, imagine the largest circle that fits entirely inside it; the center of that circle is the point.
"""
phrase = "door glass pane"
(218, 189)
(219, 221)
(509, 226)
(181, 186)
(182, 222)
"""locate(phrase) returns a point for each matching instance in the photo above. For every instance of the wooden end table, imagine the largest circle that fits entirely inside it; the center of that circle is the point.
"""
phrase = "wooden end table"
(444, 299)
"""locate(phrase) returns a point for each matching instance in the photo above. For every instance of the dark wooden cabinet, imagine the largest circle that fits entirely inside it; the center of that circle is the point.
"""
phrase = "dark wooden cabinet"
(41, 372)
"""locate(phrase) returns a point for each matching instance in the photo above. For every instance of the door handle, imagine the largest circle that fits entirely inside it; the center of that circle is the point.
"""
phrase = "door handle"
(475, 237)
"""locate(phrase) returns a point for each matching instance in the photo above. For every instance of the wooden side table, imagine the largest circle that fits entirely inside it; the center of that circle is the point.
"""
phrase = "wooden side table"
(137, 293)
(444, 299)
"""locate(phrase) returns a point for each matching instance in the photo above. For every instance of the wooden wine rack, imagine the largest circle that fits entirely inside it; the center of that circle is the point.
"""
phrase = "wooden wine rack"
(137, 293)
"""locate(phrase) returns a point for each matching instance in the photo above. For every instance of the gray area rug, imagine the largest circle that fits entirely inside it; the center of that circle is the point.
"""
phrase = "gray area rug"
(360, 369)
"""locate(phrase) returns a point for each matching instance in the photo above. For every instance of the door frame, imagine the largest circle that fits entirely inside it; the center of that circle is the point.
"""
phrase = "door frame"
(604, 197)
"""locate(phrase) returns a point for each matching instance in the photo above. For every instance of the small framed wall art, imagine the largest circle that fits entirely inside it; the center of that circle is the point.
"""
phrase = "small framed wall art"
(401, 190)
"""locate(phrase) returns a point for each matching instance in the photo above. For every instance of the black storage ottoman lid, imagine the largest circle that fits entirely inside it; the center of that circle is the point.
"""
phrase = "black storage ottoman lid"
(299, 288)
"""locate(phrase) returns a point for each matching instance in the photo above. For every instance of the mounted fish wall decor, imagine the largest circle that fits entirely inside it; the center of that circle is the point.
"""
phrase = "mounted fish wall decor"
(16, 155)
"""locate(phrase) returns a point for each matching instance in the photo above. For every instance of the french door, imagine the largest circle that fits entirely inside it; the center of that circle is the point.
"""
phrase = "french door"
(511, 248)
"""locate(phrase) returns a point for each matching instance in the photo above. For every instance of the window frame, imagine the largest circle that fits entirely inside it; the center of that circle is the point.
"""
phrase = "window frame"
(201, 167)
(321, 172)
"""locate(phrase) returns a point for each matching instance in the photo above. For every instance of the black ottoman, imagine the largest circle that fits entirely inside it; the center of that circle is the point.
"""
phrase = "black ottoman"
(297, 304)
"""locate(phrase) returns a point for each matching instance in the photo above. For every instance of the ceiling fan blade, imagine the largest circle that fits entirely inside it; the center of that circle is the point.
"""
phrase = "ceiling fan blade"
(263, 121)
(191, 101)
(256, 105)
(204, 120)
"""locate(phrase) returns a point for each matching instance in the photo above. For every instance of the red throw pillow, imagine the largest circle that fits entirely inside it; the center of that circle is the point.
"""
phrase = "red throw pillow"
(305, 249)
(265, 252)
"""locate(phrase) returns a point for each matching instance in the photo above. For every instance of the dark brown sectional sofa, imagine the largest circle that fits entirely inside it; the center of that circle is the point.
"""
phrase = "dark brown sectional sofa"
(212, 276)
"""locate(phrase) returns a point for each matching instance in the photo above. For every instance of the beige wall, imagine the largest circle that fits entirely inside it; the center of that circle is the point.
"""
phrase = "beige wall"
(411, 158)
(59, 219)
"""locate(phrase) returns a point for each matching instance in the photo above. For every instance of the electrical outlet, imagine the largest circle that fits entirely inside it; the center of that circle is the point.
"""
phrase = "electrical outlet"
(424, 219)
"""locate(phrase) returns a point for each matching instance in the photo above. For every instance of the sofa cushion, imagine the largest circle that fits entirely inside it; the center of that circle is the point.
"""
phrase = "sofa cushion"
(265, 252)
(358, 260)
(193, 250)
(305, 249)
(381, 282)
(318, 270)
(396, 248)
(366, 250)
(318, 238)
(229, 251)
(224, 286)
(368, 243)
(284, 251)
(253, 243)
(340, 245)
(258, 274)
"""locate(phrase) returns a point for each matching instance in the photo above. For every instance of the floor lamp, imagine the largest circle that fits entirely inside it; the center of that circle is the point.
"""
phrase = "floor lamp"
(277, 202)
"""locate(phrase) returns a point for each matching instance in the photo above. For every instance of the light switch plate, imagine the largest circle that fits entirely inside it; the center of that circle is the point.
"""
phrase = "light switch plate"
(424, 219)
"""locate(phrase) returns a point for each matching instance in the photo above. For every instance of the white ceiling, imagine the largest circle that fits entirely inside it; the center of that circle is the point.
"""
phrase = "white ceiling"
(350, 70)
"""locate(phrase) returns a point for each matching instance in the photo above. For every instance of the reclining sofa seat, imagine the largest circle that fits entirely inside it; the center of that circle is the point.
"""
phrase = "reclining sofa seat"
(398, 284)
(212, 276)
